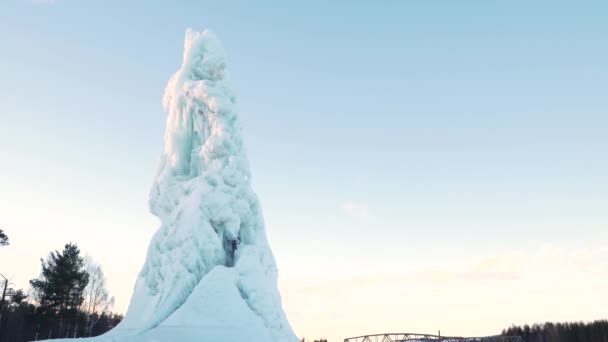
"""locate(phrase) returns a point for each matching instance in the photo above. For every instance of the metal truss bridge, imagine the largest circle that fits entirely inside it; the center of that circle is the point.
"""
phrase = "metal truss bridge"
(414, 337)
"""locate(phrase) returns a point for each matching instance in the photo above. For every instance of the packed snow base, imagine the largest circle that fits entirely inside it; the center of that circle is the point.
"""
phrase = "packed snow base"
(209, 273)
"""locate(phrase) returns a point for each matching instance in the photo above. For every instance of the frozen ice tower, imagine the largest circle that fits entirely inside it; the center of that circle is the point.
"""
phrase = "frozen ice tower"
(209, 274)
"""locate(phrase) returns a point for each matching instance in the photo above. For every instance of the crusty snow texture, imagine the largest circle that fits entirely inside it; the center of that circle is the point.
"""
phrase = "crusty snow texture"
(195, 285)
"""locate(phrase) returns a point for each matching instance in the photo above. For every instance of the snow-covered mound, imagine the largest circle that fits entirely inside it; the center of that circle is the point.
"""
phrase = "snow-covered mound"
(209, 274)
(216, 297)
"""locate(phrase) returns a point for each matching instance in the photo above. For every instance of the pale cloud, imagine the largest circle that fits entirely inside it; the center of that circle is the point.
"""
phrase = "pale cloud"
(548, 257)
(474, 275)
(43, 2)
(354, 209)
(553, 255)
(511, 266)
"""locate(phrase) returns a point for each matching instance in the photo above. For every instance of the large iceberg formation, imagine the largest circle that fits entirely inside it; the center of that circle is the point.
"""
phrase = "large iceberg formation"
(209, 273)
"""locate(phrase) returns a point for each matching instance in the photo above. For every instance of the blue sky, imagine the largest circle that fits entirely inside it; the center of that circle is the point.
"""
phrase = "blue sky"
(386, 141)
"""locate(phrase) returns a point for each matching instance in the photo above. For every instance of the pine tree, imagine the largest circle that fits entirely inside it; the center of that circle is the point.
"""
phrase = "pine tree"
(61, 284)
(3, 238)
(18, 298)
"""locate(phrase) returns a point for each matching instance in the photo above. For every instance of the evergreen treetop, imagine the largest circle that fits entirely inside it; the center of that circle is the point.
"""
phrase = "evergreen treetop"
(3, 238)
(63, 279)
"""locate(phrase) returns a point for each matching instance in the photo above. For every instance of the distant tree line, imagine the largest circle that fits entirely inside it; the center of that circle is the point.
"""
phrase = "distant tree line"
(68, 299)
(596, 331)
